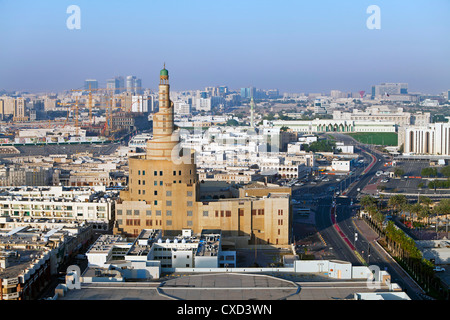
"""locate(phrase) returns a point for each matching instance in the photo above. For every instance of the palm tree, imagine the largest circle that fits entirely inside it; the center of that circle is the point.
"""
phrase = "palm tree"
(416, 209)
(426, 207)
(368, 201)
(397, 202)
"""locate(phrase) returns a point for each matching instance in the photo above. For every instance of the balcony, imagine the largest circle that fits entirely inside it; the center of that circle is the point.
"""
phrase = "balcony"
(11, 296)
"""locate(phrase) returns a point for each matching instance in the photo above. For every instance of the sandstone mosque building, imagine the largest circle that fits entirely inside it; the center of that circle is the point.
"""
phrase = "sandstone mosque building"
(164, 192)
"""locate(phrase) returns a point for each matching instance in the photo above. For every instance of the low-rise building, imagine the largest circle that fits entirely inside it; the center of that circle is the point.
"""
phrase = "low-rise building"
(151, 253)
(31, 252)
(65, 204)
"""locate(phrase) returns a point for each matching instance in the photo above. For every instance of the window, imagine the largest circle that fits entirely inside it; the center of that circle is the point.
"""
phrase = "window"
(119, 222)
(189, 203)
(241, 212)
(174, 173)
(119, 212)
(169, 222)
(205, 213)
(189, 213)
(143, 182)
(155, 202)
(160, 173)
(168, 203)
(155, 173)
(139, 182)
(169, 213)
(228, 213)
(136, 212)
(217, 213)
(148, 212)
(143, 172)
(179, 172)
(158, 212)
(128, 212)
(155, 183)
(168, 193)
(160, 183)
(189, 193)
(189, 223)
(148, 222)
(139, 172)
(155, 193)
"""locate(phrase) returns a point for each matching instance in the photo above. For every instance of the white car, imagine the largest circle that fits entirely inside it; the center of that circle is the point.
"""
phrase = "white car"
(438, 269)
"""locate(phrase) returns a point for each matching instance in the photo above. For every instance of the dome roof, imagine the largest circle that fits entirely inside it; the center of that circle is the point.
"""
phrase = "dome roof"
(164, 72)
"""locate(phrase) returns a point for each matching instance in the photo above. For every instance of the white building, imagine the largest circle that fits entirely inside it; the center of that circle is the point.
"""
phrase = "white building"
(151, 253)
(203, 104)
(432, 139)
(341, 165)
(141, 104)
(182, 108)
(64, 204)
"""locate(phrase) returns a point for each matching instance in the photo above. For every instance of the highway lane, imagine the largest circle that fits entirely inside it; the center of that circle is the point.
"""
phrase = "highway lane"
(338, 247)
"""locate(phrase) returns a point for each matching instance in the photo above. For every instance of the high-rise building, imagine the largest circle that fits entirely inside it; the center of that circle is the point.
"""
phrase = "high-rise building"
(134, 85)
(19, 110)
(113, 85)
(386, 89)
(90, 84)
(164, 192)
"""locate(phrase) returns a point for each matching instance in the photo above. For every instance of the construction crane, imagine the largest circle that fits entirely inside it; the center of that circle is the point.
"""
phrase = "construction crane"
(75, 107)
(89, 98)
(90, 90)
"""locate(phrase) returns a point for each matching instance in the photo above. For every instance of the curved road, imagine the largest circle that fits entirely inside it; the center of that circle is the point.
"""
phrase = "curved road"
(369, 250)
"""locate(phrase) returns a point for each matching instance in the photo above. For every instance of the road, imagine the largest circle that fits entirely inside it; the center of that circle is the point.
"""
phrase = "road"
(369, 250)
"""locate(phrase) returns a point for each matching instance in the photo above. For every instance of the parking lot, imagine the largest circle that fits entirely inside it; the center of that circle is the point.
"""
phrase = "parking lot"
(411, 181)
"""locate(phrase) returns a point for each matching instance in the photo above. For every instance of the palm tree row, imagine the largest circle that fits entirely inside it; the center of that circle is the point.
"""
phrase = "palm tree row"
(401, 246)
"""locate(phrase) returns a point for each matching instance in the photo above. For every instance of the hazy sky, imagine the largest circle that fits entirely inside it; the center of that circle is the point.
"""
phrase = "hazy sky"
(295, 46)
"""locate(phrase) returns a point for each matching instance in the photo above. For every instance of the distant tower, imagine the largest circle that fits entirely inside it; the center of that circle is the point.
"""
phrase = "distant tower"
(252, 107)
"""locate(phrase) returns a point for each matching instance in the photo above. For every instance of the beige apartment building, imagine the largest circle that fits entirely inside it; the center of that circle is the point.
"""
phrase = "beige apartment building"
(164, 193)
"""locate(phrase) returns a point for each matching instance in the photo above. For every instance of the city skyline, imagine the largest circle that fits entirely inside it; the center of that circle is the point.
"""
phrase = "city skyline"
(290, 45)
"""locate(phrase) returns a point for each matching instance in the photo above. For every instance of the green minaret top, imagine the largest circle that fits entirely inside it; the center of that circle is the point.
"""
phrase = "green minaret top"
(164, 72)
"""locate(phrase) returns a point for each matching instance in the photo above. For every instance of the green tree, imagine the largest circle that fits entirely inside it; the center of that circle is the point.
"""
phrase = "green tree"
(445, 171)
(232, 123)
(429, 172)
(398, 172)
(368, 201)
(397, 202)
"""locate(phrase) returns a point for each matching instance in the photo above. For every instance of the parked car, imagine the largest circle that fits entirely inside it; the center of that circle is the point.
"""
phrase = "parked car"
(438, 269)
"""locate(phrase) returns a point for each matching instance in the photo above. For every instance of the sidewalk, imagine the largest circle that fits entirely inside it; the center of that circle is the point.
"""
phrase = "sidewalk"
(367, 231)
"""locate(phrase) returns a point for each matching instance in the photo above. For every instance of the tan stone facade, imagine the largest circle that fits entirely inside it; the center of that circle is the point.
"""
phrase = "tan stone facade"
(164, 193)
